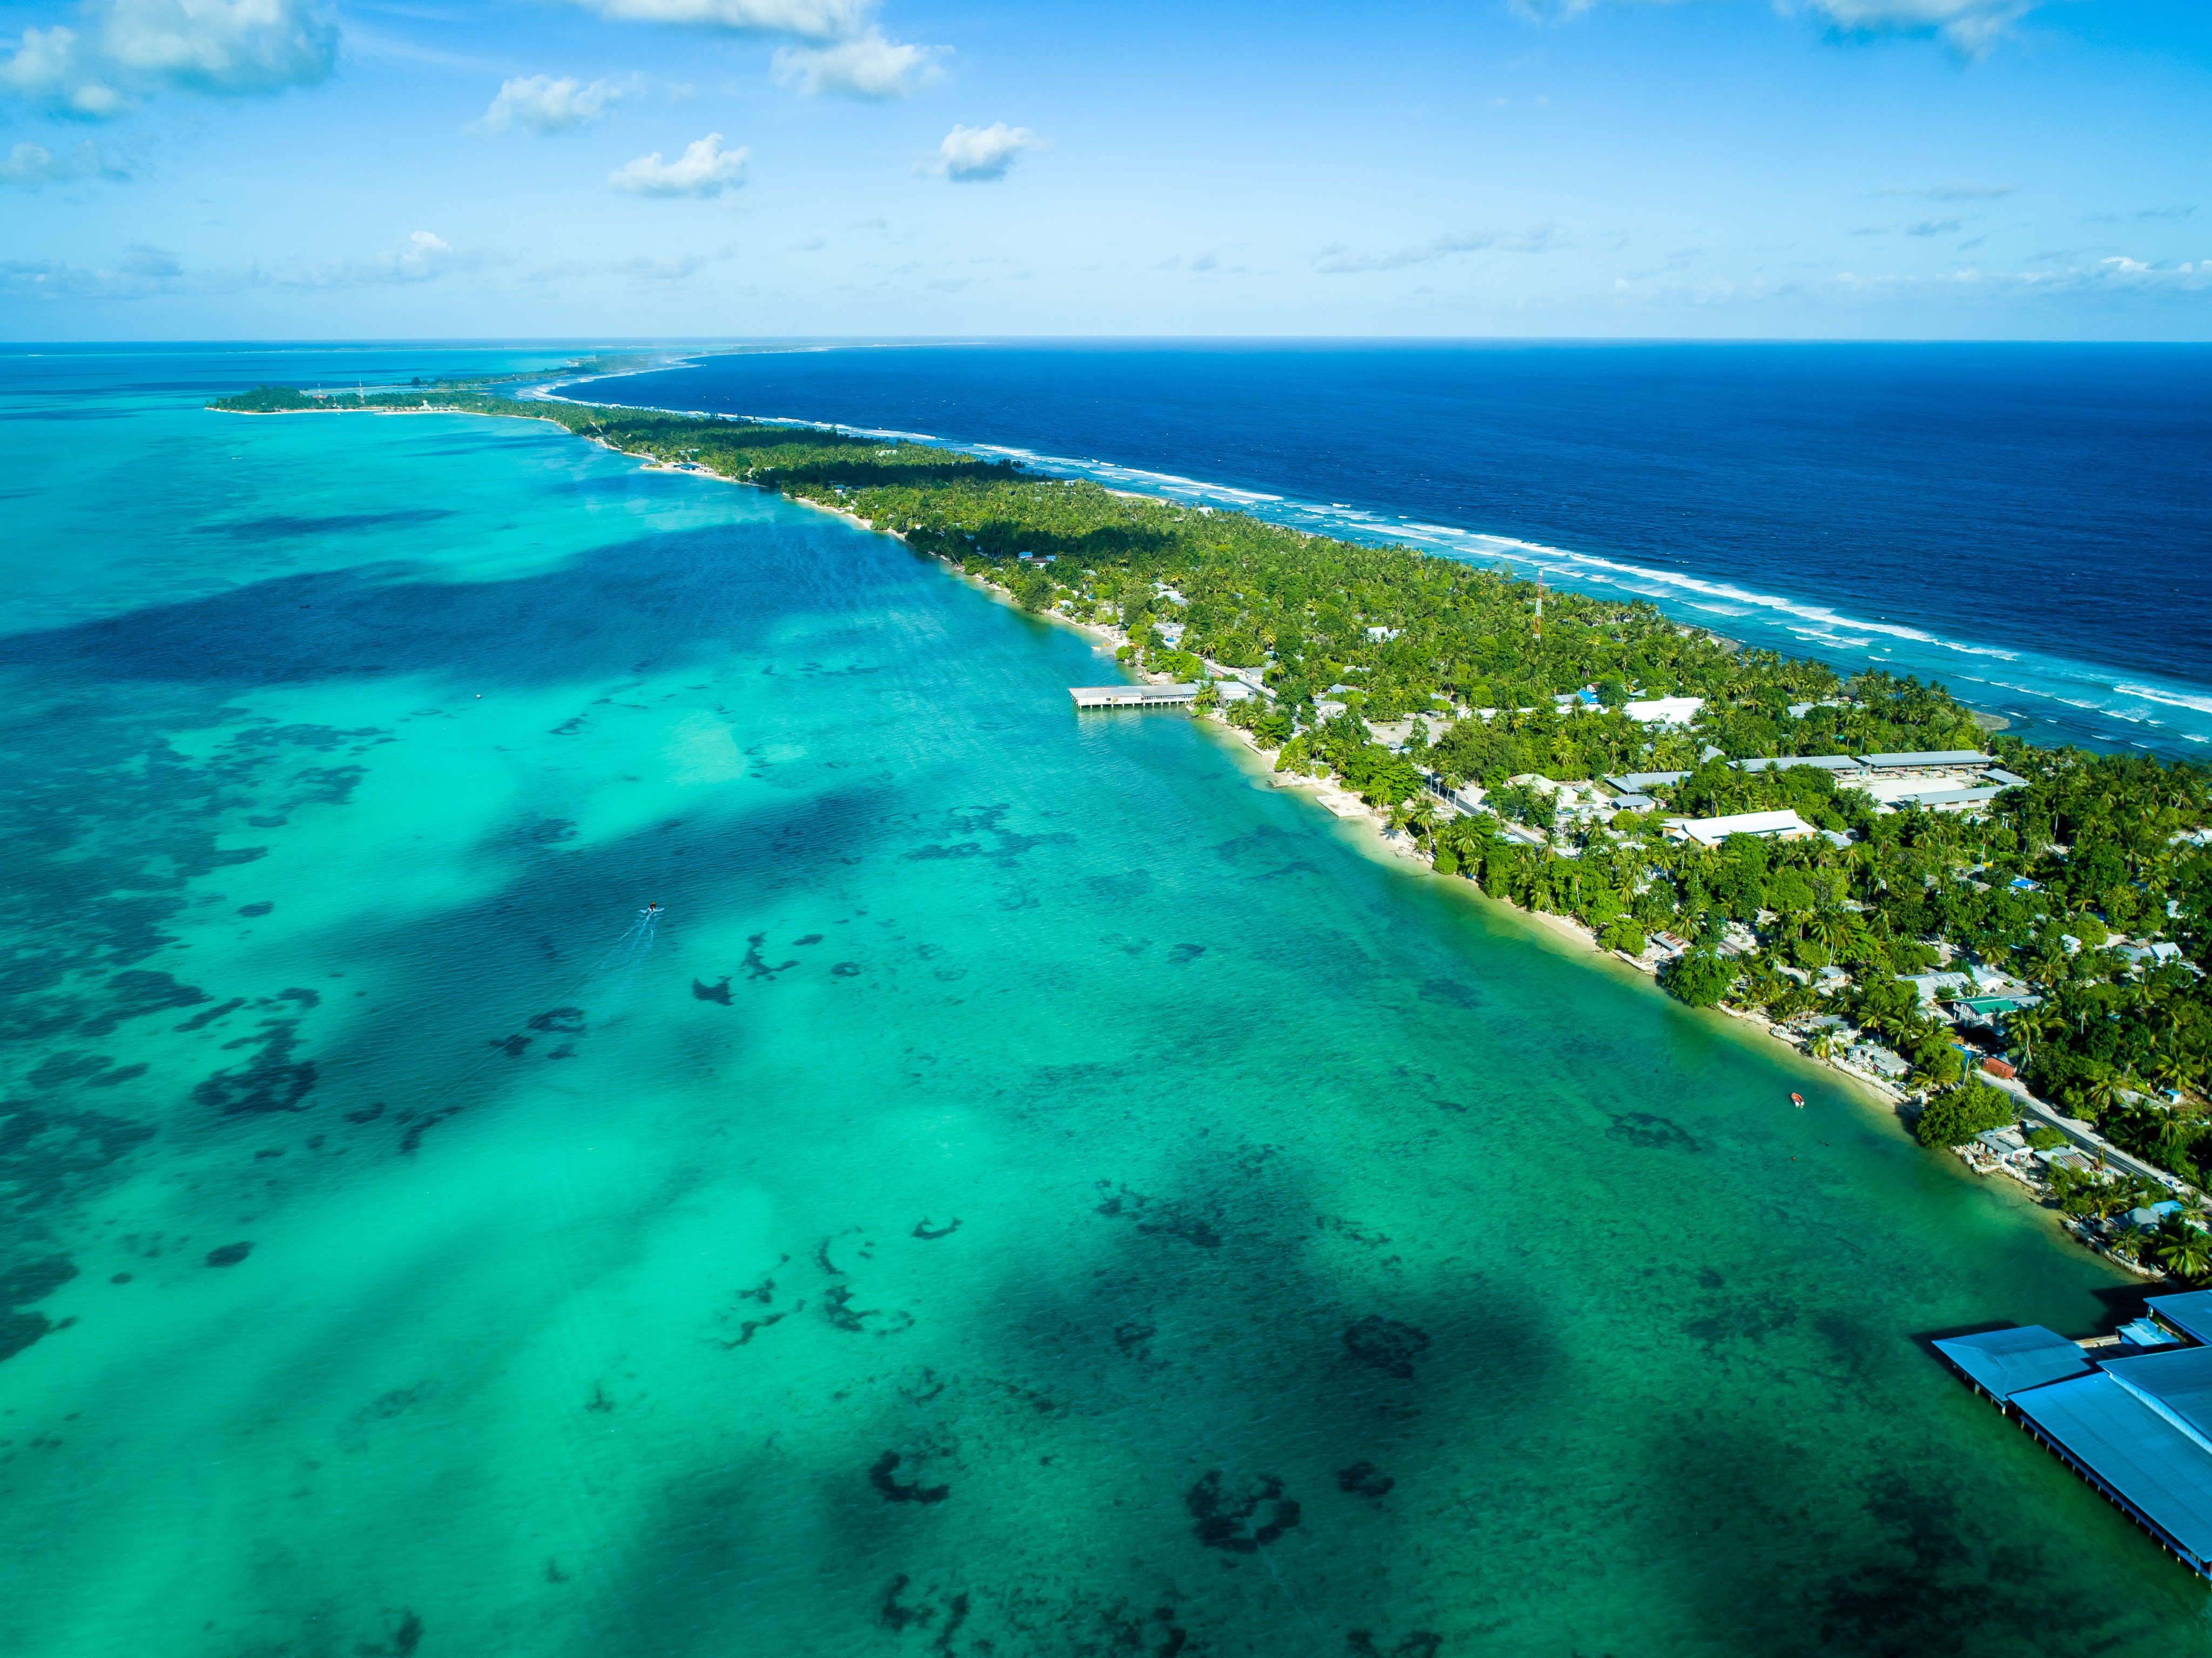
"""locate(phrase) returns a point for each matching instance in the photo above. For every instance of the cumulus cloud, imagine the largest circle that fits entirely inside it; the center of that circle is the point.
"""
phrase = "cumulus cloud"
(143, 272)
(545, 105)
(704, 170)
(126, 50)
(423, 257)
(34, 164)
(1971, 27)
(843, 52)
(2116, 275)
(1957, 190)
(1339, 260)
(976, 155)
(808, 20)
(867, 66)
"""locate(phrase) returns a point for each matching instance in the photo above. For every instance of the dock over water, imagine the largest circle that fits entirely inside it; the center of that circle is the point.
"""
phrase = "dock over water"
(1132, 696)
(2131, 1414)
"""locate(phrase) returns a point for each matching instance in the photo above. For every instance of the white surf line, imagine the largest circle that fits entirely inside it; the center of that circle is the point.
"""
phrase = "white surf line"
(1585, 570)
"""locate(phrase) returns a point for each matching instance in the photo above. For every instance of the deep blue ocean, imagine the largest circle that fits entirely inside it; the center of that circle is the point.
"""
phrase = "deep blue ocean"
(2029, 524)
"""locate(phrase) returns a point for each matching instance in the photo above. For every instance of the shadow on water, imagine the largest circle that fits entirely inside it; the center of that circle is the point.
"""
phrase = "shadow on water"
(671, 598)
(1271, 1427)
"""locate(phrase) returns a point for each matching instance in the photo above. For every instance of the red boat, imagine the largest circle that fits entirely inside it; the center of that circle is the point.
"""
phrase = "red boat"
(1797, 1099)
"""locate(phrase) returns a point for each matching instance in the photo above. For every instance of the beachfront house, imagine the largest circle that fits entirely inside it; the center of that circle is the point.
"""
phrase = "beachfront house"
(1642, 783)
(1665, 710)
(1766, 825)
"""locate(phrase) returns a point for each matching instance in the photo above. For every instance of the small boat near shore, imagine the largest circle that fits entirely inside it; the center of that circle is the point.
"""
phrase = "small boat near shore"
(1797, 1099)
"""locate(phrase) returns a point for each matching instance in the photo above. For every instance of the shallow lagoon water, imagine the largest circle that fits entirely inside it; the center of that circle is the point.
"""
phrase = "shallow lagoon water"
(1034, 1191)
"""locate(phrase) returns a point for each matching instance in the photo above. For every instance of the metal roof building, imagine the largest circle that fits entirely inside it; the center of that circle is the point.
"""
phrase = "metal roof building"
(1131, 696)
(1766, 825)
(1925, 759)
(2159, 1473)
(2136, 1423)
(2191, 1313)
(1945, 799)
(2002, 1363)
(1782, 763)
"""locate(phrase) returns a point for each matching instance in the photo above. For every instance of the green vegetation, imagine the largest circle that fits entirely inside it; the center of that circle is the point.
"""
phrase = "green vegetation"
(1957, 1115)
(2044, 885)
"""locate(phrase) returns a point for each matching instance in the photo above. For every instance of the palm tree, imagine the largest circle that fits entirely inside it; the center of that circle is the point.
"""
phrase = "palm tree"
(2030, 1025)
(2183, 1250)
(2105, 1089)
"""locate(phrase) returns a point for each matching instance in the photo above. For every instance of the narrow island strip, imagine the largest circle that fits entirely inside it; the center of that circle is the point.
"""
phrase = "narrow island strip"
(2008, 940)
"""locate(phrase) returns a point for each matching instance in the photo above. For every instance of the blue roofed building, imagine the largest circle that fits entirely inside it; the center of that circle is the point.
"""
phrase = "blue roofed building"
(2002, 1362)
(2190, 1313)
(2158, 1471)
(2131, 1415)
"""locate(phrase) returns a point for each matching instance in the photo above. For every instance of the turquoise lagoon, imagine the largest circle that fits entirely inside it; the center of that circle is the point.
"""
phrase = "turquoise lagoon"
(1037, 1190)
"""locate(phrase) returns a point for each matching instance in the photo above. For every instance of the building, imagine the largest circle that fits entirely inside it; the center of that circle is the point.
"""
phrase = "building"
(2130, 1413)
(1953, 799)
(1665, 710)
(1927, 760)
(1838, 763)
(1642, 783)
(1132, 696)
(1766, 825)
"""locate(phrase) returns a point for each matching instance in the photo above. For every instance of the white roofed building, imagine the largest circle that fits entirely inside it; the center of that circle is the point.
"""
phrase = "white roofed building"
(1665, 710)
(1766, 825)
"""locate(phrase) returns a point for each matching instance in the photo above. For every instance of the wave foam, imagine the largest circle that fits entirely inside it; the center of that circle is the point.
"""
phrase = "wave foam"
(2172, 699)
(1815, 623)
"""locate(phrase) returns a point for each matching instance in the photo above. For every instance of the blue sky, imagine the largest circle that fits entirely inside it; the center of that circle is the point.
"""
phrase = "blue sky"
(420, 168)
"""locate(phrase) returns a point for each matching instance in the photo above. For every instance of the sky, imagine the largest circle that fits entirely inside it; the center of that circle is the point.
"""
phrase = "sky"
(606, 169)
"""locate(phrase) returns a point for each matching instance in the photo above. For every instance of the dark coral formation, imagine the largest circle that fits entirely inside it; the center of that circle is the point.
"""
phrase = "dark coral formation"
(1390, 1346)
(893, 1491)
(1223, 1518)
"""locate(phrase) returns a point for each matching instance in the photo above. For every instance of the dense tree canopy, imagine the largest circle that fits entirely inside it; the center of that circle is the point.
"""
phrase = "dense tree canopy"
(2092, 849)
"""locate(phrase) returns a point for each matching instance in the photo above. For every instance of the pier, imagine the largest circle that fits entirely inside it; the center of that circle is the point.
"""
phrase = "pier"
(2130, 1414)
(1133, 696)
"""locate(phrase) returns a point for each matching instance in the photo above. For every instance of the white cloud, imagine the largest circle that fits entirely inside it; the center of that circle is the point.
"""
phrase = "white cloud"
(809, 20)
(1957, 190)
(34, 164)
(1338, 260)
(545, 105)
(127, 51)
(423, 257)
(867, 66)
(976, 155)
(705, 169)
(1972, 27)
(143, 272)
(844, 52)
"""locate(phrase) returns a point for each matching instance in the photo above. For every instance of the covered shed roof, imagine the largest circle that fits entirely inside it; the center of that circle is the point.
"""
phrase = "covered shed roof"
(1920, 757)
(2004, 1362)
(2176, 1384)
(1782, 763)
(1711, 831)
(1945, 797)
(2160, 1474)
(2191, 1312)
